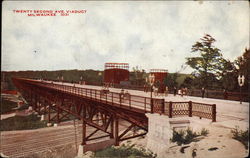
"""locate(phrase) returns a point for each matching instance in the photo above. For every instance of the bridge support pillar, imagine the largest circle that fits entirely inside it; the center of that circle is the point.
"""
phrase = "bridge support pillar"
(80, 151)
(49, 114)
(84, 125)
(116, 131)
(112, 128)
(159, 132)
(83, 132)
(57, 115)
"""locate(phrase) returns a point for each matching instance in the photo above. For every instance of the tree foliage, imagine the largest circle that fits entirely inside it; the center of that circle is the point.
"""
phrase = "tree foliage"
(209, 63)
(171, 80)
(138, 76)
(243, 66)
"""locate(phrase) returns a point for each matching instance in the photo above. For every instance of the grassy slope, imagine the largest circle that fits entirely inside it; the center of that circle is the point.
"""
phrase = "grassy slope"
(181, 78)
(22, 123)
(6, 106)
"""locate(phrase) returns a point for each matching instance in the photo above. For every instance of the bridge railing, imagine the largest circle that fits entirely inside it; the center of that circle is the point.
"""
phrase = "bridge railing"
(171, 109)
(202, 110)
(114, 98)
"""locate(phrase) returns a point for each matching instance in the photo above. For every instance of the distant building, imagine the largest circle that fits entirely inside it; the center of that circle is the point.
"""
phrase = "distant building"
(116, 73)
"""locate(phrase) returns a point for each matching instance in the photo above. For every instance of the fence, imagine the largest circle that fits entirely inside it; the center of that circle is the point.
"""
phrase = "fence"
(175, 109)
(134, 102)
(221, 95)
(105, 96)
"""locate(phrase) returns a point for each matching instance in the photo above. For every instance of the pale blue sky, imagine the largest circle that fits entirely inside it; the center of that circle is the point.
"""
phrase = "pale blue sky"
(148, 34)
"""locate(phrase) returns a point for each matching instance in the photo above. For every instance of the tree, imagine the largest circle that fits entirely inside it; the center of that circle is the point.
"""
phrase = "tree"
(243, 67)
(138, 76)
(209, 64)
(188, 81)
(229, 77)
(171, 80)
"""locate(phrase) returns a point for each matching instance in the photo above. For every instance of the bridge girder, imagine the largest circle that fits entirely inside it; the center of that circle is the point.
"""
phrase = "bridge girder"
(100, 115)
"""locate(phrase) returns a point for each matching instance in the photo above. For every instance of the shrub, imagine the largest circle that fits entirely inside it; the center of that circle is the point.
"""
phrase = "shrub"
(124, 151)
(178, 137)
(186, 136)
(240, 135)
(204, 132)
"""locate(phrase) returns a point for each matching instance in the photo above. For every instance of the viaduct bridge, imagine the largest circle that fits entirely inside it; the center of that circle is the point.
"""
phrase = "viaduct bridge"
(102, 109)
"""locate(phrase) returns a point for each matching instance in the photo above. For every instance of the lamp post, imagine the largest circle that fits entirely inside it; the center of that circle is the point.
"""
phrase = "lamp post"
(151, 79)
(241, 80)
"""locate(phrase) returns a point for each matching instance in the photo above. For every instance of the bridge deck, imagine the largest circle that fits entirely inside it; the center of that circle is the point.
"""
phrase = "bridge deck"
(135, 101)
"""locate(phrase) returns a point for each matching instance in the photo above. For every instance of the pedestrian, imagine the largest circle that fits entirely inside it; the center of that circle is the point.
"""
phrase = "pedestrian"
(166, 91)
(186, 91)
(127, 95)
(203, 92)
(175, 91)
(155, 90)
(122, 95)
(225, 93)
(182, 92)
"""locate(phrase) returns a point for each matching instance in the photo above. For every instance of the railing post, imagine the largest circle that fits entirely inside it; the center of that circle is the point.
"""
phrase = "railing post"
(145, 104)
(95, 94)
(130, 101)
(170, 109)
(100, 96)
(49, 113)
(151, 106)
(106, 98)
(214, 113)
(120, 99)
(112, 97)
(163, 106)
(190, 108)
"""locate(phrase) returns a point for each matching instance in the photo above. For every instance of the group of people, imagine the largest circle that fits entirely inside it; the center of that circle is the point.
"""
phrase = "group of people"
(156, 90)
(182, 91)
(165, 91)
(123, 95)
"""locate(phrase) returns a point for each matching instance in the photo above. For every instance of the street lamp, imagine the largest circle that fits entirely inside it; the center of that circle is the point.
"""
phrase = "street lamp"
(241, 80)
(151, 79)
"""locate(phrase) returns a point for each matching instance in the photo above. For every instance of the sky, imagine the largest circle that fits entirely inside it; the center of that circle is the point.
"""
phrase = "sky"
(150, 35)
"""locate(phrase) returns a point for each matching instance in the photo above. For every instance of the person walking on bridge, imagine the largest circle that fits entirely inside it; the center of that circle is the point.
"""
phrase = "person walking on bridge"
(166, 91)
(202, 92)
(175, 91)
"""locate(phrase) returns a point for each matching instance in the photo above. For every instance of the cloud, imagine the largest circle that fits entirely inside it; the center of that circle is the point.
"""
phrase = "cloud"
(148, 34)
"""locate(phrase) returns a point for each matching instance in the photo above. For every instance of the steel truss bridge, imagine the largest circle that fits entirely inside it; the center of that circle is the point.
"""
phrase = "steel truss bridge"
(102, 109)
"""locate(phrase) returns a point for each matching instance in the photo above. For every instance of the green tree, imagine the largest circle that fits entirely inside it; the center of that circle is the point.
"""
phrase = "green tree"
(188, 82)
(171, 80)
(229, 77)
(243, 67)
(209, 63)
(138, 76)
